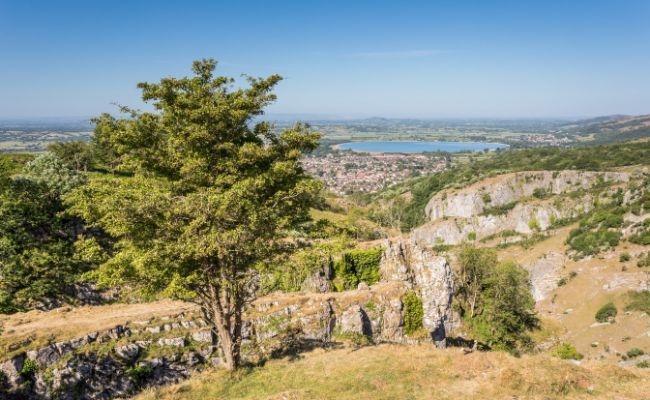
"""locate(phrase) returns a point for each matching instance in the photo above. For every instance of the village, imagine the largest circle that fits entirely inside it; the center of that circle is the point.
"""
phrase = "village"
(346, 172)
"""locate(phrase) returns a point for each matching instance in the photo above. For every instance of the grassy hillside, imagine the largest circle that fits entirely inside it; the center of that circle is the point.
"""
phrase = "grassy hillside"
(616, 128)
(413, 372)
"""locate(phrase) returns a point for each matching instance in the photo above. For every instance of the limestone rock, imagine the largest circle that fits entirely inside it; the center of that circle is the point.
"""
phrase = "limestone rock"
(317, 283)
(11, 370)
(472, 200)
(430, 274)
(129, 352)
(455, 214)
(392, 326)
(45, 356)
(435, 281)
(204, 336)
(355, 320)
(176, 342)
(544, 274)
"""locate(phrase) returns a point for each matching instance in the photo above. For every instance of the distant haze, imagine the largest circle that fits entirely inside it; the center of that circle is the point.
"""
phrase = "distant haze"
(340, 60)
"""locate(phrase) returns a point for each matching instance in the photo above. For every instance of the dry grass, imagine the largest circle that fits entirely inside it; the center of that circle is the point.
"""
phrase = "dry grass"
(413, 372)
(570, 310)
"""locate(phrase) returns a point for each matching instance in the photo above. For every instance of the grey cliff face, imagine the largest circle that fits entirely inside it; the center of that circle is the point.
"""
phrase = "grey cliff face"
(427, 274)
(456, 215)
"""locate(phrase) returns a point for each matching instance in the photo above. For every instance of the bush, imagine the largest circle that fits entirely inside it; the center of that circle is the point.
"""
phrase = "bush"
(587, 242)
(566, 351)
(624, 257)
(643, 364)
(635, 352)
(499, 210)
(644, 260)
(413, 313)
(540, 193)
(357, 266)
(533, 224)
(642, 238)
(29, 368)
(606, 313)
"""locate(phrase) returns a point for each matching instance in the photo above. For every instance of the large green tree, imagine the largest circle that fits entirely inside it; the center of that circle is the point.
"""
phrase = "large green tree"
(201, 194)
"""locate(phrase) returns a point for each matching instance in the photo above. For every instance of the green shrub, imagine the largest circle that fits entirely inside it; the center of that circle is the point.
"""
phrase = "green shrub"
(486, 198)
(413, 313)
(540, 193)
(566, 351)
(499, 210)
(29, 368)
(606, 313)
(644, 260)
(643, 364)
(357, 266)
(642, 238)
(587, 242)
(471, 236)
(562, 282)
(635, 352)
(624, 257)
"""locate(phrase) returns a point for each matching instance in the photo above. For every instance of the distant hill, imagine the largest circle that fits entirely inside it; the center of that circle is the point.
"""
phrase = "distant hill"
(609, 129)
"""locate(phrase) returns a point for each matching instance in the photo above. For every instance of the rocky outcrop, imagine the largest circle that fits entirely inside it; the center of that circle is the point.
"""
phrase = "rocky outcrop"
(503, 189)
(516, 202)
(120, 361)
(429, 275)
(544, 274)
(113, 363)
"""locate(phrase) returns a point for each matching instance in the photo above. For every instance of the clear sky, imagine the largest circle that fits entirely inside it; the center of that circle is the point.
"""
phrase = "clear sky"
(428, 59)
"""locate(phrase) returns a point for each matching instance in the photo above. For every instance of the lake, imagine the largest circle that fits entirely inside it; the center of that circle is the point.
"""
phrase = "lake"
(418, 147)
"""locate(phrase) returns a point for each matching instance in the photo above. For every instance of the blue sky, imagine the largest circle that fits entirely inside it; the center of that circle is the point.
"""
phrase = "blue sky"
(428, 59)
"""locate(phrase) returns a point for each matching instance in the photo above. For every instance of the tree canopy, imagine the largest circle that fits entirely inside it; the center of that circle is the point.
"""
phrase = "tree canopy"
(199, 193)
(494, 299)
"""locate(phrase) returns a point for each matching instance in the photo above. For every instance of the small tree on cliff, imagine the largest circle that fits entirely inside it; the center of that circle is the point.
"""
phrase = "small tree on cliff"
(199, 195)
(494, 299)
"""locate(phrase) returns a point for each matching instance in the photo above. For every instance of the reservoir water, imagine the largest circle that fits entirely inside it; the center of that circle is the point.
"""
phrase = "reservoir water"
(418, 147)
